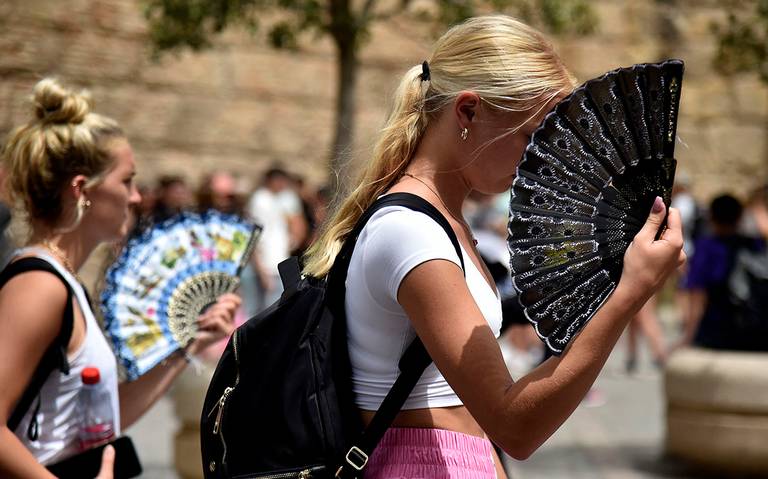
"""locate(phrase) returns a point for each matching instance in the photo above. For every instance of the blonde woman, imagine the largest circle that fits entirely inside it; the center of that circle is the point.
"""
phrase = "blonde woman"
(460, 123)
(72, 170)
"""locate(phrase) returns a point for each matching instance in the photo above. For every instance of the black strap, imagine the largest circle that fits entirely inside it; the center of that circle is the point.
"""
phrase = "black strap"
(55, 356)
(415, 359)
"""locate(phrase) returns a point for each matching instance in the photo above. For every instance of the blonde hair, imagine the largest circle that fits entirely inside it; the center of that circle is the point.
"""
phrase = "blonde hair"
(510, 65)
(64, 139)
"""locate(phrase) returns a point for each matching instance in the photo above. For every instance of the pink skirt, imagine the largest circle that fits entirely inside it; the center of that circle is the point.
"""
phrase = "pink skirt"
(410, 453)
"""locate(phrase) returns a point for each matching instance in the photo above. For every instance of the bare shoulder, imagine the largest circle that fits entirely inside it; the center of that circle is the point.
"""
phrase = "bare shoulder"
(31, 306)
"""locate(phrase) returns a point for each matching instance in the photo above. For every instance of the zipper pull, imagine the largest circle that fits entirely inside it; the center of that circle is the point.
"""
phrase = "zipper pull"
(305, 474)
(220, 408)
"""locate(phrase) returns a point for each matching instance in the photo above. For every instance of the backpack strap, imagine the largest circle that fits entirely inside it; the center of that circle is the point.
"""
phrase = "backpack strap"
(55, 356)
(415, 359)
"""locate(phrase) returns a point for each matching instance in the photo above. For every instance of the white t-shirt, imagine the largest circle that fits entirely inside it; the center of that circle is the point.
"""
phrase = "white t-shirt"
(394, 241)
(58, 418)
(270, 210)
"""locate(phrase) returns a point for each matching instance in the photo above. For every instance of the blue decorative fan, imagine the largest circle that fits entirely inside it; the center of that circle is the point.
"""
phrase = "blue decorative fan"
(165, 277)
(584, 189)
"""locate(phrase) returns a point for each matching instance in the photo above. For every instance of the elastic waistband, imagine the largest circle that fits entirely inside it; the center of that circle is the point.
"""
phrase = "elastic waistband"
(425, 452)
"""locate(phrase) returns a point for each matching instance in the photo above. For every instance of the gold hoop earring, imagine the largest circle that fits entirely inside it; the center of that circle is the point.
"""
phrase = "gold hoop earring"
(464, 134)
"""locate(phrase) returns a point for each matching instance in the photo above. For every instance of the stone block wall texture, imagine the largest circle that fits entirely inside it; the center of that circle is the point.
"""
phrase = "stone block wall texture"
(242, 105)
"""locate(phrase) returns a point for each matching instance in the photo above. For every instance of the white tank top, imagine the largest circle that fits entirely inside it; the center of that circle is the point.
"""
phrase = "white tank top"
(58, 416)
(393, 242)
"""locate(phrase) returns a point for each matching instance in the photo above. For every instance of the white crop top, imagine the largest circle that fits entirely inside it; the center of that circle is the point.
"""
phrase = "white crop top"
(58, 417)
(394, 241)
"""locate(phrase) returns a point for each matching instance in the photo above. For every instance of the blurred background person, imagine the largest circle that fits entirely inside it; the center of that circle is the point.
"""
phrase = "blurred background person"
(646, 323)
(709, 321)
(172, 196)
(691, 213)
(275, 206)
(754, 221)
(306, 223)
(218, 191)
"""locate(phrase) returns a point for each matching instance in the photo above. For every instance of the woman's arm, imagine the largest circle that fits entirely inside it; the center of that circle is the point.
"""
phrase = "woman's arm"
(27, 326)
(520, 416)
(136, 397)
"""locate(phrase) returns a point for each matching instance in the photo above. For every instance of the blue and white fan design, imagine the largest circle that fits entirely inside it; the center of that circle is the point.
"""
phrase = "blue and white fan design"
(165, 277)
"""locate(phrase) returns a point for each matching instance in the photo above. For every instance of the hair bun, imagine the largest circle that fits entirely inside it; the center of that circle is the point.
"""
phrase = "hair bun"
(56, 104)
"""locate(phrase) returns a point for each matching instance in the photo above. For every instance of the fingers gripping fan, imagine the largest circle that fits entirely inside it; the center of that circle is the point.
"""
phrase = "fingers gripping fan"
(165, 278)
(584, 188)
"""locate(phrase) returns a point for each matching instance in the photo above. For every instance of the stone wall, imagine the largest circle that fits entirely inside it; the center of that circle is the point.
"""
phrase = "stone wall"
(241, 105)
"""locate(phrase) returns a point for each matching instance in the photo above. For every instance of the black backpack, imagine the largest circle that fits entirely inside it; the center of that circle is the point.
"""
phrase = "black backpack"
(748, 295)
(280, 403)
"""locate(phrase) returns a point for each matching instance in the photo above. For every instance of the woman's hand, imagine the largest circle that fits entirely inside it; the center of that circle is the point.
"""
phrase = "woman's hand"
(107, 463)
(216, 323)
(647, 262)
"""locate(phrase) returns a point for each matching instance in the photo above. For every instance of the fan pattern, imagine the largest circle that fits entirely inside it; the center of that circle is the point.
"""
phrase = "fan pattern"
(165, 277)
(584, 188)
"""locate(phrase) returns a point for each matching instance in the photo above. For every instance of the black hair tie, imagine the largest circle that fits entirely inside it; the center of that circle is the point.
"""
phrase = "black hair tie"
(425, 76)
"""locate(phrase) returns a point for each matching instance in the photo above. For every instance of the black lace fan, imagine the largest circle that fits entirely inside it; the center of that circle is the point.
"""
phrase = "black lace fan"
(584, 188)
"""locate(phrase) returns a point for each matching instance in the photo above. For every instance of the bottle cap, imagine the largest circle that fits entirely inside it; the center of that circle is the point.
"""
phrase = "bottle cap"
(90, 375)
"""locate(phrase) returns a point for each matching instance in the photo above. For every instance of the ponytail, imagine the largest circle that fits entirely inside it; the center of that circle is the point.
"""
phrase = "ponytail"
(396, 145)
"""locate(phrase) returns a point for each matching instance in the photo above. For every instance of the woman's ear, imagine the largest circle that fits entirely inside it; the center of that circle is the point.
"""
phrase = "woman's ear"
(77, 186)
(466, 108)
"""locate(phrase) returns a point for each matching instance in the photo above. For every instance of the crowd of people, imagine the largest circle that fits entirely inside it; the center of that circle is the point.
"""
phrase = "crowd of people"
(457, 120)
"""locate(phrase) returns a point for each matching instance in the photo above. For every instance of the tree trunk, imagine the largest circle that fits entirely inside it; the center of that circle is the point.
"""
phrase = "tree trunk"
(345, 113)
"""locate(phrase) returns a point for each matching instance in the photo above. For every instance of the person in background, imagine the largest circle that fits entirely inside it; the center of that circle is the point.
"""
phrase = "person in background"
(754, 222)
(690, 211)
(460, 122)
(708, 322)
(306, 225)
(218, 191)
(276, 207)
(323, 197)
(72, 171)
(646, 322)
(172, 197)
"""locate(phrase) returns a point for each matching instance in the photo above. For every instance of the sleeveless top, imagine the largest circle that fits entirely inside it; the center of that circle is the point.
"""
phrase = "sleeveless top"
(58, 417)
(393, 242)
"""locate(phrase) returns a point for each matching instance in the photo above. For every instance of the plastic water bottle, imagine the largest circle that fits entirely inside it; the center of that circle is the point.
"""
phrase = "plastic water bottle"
(95, 406)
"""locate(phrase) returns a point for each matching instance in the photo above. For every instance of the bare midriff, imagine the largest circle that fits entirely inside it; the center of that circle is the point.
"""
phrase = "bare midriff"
(457, 419)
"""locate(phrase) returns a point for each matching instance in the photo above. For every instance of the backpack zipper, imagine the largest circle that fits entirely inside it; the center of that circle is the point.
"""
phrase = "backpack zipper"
(219, 407)
(305, 474)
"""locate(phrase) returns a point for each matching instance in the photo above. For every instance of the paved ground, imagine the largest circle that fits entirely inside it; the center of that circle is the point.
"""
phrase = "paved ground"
(621, 439)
